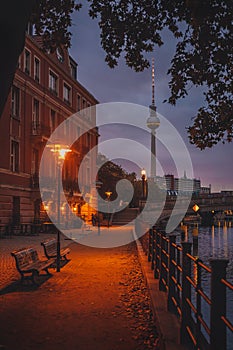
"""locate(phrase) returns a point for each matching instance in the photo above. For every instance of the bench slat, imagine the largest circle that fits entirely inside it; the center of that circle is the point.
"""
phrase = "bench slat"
(50, 249)
(27, 261)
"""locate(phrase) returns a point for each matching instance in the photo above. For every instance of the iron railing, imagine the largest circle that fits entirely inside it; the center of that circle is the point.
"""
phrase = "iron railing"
(200, 306)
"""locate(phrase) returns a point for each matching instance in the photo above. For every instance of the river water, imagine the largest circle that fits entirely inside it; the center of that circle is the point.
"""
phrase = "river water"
(216, 242)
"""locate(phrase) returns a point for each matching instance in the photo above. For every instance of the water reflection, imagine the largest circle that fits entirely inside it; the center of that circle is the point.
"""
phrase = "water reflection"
(216, 242)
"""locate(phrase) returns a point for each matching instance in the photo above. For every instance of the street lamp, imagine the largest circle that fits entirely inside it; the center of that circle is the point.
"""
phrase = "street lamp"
(108, 194)
(98, 185)
(61, 154)
(143, 176)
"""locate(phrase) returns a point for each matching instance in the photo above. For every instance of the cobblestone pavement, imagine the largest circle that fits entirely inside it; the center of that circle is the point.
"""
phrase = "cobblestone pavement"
(99, 300)
(8, 272)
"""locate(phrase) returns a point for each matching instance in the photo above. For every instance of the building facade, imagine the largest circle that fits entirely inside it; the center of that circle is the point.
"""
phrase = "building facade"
(45, 92)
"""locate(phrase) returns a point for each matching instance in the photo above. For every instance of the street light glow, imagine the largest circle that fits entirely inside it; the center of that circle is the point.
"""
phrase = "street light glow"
(143, 172)
(108, 194)
(62, 153)
(196, 208)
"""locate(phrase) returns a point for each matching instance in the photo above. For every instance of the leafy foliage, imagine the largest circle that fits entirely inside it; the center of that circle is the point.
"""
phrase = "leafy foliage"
(52, 19)
(203, 57)
(109, 174)
(204, 52)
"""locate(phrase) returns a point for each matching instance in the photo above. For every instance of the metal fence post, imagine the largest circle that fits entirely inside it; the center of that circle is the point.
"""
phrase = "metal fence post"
(162, 274)
(218, 304)
(171, 286)
(152, 249)
(198, 301)
(186, 293)
(156, 275)
(149, 245)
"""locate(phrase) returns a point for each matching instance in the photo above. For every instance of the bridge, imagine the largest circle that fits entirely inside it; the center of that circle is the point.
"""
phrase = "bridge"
(207, 206)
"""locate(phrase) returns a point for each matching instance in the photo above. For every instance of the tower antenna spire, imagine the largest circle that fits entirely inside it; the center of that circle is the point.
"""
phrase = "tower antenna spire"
(153, 81)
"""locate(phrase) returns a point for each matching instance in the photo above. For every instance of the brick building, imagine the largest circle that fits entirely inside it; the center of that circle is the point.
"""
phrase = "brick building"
(45, 92)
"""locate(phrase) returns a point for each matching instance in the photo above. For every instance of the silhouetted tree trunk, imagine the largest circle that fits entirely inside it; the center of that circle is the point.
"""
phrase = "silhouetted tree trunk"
(14, 16)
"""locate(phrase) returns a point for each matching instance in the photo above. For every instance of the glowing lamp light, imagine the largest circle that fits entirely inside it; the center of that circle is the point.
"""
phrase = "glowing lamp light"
(143, 173)
(196, 208)
(62, 152)
(108, 194)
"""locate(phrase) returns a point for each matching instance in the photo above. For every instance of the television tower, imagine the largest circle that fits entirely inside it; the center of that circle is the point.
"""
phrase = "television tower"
(153, 123)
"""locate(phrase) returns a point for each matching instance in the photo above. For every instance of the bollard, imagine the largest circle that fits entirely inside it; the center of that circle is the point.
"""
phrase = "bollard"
(195, 241)
(186, 293)
(171, 286)
(184, 232)
(218, 304)
(98, 227)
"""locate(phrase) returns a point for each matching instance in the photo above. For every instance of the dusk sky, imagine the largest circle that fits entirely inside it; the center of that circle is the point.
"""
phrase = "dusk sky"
(213, 166)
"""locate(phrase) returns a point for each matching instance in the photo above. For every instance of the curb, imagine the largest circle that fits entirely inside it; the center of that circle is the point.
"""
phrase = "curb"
(167, 324)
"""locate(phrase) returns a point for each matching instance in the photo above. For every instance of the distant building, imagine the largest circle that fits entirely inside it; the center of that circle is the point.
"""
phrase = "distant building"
(170, 182)
(44, 93)
(205, 190)
(182, 185)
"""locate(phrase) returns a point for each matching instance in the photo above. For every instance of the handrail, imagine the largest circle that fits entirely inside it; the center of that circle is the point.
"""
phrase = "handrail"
(180, 276)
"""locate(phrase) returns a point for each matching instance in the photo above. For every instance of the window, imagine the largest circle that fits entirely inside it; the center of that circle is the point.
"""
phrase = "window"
(73, 68)
(66, 93)
(67, 128)
(35, 116)
(15, 102)
(35, 161)
(79, 103)
(84, 104)
(27, 62)
(89, 110)
(14, 156)
(88, 140)
(37, 69)
(53, 120)
(53, 82)
(88, 177)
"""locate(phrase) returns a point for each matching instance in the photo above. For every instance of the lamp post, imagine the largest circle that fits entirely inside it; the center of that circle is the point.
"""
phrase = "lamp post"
(98, 185)
(108, 194)
(195, 233)
(61, 154)
(143, 176)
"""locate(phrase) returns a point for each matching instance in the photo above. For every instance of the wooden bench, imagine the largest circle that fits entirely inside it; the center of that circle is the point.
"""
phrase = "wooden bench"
(50, 249)
(29, 265)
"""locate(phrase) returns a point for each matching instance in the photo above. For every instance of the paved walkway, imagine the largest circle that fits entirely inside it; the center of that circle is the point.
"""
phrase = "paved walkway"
(98, 301)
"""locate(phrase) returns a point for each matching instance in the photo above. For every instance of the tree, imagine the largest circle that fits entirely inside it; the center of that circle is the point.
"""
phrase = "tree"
(109, 174)
(52, 19)
(12, 35)
(203, 57)
(204, 52)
